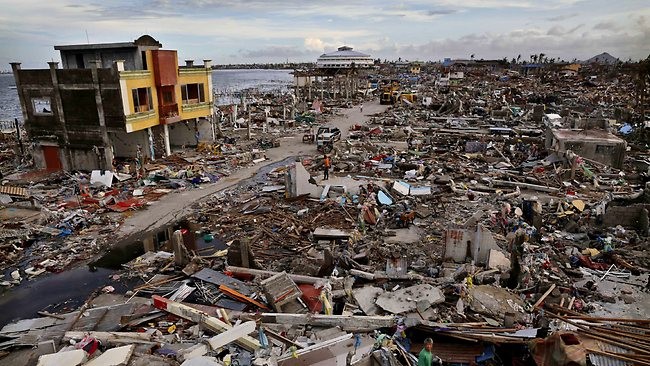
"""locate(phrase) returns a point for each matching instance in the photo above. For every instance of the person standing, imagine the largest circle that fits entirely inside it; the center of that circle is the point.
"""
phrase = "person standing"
(425, 358)
(361, 108)
(327, 163)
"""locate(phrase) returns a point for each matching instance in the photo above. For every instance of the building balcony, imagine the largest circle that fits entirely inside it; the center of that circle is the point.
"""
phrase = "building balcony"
(141, 120)
(135, 75)
(191, 107)
(169, 113)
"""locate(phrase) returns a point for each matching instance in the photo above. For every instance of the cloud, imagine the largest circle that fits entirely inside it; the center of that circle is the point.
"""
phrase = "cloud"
(561, 17)
(442, 11)
(273, 52)
(558, 30)
(257, 29)
(314, 44)
(555, 43)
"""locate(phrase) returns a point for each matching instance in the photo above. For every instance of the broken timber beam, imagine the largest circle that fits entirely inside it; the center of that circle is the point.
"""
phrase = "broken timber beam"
(534, 187)
(197, 316)
(258, 272)
(350, 323)
(111, 337)
(217, 341)
(541, 299)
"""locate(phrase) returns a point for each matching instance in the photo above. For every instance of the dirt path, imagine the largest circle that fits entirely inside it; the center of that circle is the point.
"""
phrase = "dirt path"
(174, 206)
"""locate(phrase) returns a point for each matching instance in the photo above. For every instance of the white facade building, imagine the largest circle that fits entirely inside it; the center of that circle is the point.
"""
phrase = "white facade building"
(344, 58)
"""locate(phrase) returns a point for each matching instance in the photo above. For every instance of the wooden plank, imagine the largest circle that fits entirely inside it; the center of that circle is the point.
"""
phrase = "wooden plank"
(346, 322)
(197, 316)
(218, 341)
(109, 337)
(541, 299)
(241, 297)
(257, 272)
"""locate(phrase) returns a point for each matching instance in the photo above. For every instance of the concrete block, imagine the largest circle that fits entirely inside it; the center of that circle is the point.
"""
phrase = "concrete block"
(497, 260)
(118, 356)
(495, 302)
(406, 299)
(473, 243)
(366, 297)
(69, 358)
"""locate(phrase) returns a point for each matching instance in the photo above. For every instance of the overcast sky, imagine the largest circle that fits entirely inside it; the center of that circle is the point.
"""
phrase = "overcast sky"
(247, 31)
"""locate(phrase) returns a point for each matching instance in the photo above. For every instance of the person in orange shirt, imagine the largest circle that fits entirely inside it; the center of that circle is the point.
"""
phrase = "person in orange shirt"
(327, 164)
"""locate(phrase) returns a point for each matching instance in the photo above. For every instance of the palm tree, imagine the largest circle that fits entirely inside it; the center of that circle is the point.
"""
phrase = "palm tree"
(472, 57)
(541, 57)
(518, 58)
(534, 57)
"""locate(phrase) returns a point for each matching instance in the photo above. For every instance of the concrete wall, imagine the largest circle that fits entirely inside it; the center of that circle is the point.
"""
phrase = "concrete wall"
(631, 217)
(606, 152)
(132, 57)
(184, 133)
(125, 145)
(85, 159)
(76, 123)
(475, 243)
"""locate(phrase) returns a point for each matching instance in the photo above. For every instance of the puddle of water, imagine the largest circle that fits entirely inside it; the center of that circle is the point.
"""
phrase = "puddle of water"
(260, 177)
(66, 291)
(119, 255)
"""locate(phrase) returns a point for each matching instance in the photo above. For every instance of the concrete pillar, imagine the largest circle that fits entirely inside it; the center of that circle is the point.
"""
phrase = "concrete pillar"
(249, 124)
(309, 87)
(322, 89)
(152, 153)
(15, 67)
(168, 148)
(347, 87)
(106, 161)
(298, 91)
(181, 256)
(210, 93)
(58, 104)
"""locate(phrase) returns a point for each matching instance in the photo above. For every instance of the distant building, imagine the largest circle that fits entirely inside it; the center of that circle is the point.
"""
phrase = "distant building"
(569, 70)
(343, 58)
(596, 145)
(586, 137)
(113, 100)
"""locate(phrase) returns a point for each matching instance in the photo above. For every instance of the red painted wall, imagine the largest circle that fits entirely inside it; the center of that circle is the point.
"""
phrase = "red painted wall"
(165, 66)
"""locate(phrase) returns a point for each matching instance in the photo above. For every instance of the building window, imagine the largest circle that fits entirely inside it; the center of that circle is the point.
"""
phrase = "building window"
(80, 61)
(573, 146)
(605, 149)
(168, 97)
(42, 106)
(192, 93)
(142, 101)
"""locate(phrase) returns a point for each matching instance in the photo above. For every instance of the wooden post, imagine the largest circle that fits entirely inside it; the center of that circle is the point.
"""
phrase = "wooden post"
(148, 244)
(244, 247)
(180, 252)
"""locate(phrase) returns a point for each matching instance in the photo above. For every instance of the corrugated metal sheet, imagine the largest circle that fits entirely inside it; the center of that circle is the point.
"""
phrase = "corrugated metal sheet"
(600, 360)
(458, 352)
(14, 191)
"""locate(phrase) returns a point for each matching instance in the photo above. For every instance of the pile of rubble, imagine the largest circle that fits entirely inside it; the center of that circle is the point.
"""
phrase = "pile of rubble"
(473, 218)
